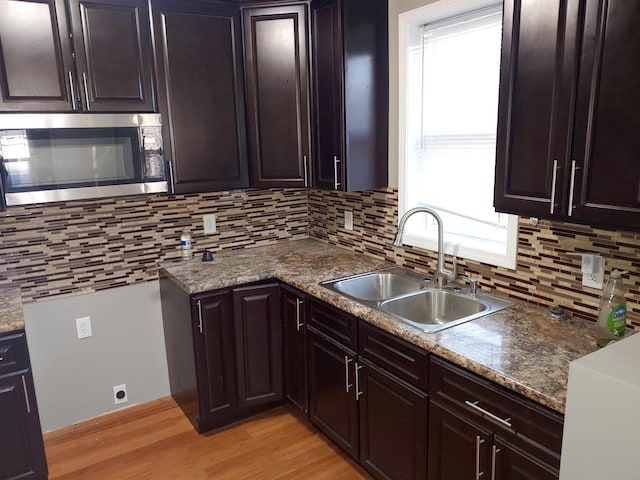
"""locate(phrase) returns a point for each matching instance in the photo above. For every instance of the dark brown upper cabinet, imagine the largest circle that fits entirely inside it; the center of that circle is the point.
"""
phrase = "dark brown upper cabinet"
(36, 64)
(201, 94)
(277, 86)
(114, 57)
(567, 115)
(101, 62)
(350, 92)
(605, 138)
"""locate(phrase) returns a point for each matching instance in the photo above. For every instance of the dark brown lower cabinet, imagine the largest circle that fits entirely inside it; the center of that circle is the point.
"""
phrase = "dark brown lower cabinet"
(457, 448)
(393, 425)
(480, 430)
(294, 350)
(223, 351)
(333, 406)
(21, 447)
(256, 312)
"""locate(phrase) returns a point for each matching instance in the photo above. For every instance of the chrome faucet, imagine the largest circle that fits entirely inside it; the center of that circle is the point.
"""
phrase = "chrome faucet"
(442, 274)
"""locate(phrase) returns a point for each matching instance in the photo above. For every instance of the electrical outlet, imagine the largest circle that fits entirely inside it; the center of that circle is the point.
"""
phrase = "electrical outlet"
(120, 394)
(209, 222)
(348, 220)
(83, 327)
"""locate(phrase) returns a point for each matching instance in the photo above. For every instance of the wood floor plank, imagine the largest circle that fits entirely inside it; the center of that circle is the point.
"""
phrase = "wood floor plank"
(155, 441)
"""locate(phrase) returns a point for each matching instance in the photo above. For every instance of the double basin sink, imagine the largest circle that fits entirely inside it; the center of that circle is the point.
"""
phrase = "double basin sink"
(415, 300)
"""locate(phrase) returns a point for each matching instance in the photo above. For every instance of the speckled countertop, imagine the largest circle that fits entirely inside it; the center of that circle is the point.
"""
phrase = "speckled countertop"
(519, 348)
(11, 316)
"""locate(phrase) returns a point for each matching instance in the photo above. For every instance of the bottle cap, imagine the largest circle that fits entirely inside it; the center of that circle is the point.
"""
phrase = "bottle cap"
(616, 274)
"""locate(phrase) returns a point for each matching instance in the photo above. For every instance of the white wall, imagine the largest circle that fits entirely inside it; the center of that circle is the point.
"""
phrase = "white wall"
(74, 378)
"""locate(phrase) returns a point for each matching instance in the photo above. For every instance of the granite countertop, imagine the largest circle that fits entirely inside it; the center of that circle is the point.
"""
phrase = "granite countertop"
(520, 348)
(11, 316)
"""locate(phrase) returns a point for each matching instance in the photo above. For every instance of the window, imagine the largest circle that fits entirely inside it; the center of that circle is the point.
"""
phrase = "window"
(450, 68)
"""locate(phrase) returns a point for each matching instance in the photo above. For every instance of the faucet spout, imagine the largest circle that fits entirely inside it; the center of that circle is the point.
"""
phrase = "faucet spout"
(442, 274)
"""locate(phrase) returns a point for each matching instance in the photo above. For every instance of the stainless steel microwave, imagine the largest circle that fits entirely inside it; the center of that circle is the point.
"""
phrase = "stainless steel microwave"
(59, 157)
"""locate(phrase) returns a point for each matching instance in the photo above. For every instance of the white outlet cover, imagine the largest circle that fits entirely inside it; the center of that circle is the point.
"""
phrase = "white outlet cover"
(83, 327)
(120, 388)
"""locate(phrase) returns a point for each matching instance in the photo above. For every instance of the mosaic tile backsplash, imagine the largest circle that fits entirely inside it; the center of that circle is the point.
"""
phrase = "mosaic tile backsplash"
(545, 275)
(78, 247)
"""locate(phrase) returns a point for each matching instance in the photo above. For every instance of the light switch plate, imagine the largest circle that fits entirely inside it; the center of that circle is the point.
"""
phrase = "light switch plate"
(209, 222)
(348, 220)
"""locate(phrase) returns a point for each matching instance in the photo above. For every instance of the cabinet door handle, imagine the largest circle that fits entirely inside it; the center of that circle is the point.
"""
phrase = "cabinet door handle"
(347, 361)
(26, 394)
(494, 452)
(553, 186)
(199, 316)
(336, 184)
(72, 90)
(306, 173)
(475, 406)
(358, 392)
(479, 441)
(572, 185)
(86, 91)
(171, 181)
(298, 322)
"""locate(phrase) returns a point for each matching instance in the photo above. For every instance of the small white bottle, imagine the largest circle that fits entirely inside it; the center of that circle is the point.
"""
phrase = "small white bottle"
(185, 245)
(612, 315)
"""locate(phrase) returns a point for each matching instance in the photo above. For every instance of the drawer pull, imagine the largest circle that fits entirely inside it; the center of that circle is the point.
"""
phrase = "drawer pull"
(503, 421)
(479, 441)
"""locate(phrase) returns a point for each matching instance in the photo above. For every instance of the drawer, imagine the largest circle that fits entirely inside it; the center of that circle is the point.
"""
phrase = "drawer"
(13, 352)
(528, 420)
(334, 323)
(406, 361)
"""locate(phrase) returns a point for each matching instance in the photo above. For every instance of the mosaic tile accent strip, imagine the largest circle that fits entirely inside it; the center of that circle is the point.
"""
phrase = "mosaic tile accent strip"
(545, 275)
(79, 247)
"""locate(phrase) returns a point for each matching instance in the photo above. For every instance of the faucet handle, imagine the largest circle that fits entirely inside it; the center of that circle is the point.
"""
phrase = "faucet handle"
(473, 285)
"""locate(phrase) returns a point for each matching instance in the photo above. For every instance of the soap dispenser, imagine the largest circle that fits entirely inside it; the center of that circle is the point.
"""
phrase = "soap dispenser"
(612, 314)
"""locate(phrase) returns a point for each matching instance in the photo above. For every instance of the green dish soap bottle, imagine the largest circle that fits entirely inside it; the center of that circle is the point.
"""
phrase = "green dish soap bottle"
(612, 315)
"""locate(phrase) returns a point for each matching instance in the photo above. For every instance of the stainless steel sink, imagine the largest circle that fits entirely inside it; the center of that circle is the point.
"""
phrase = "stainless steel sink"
(377, 286)
(411, 298)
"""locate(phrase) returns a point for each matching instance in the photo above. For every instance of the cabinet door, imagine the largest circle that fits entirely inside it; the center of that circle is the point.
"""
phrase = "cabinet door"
(258, 344)
(393, 426)
(21, 446)
(114, 55)
(512, 464)
(277, 76)
(457, 448)
(333, 407)
(537, 75)
(294, 348)
(327, 94)
(606, 140)
(215, 359)
(201, 94)
(36, 67)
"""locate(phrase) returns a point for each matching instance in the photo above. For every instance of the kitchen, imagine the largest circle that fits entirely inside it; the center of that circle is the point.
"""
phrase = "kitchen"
(98, 258)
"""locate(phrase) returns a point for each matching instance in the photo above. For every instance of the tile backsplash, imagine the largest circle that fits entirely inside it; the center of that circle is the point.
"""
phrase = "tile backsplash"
(78, 247)
(545, 275)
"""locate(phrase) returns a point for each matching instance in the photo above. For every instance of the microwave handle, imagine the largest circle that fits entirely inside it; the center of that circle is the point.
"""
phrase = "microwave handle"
(171, 180)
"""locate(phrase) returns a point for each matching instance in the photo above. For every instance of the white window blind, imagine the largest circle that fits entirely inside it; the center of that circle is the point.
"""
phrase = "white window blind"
(452, 82)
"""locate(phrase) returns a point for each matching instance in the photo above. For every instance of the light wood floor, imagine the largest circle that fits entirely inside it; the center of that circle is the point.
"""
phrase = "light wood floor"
(156, 441)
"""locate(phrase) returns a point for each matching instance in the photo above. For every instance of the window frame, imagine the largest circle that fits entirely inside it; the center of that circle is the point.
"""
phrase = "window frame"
(410, 33)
